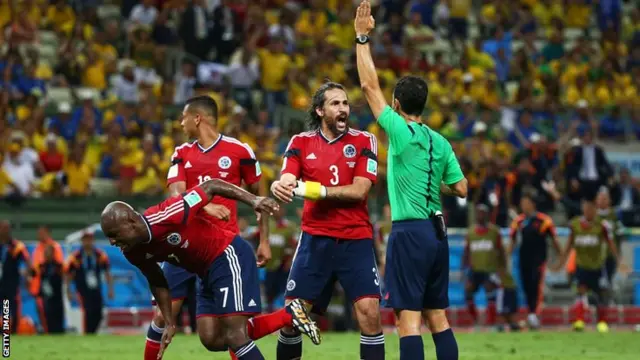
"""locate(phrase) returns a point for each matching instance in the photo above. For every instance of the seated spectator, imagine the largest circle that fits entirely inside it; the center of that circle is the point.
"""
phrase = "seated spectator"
(51, 158)
(21, 173)
(78, 173)
(59, 14)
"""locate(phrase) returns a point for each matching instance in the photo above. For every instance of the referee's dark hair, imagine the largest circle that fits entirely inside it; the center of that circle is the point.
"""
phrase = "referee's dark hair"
(205, 105)
(317, 101)
(411, 93)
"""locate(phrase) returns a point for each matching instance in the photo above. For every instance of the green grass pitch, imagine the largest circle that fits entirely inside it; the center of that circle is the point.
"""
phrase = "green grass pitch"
(620, 345)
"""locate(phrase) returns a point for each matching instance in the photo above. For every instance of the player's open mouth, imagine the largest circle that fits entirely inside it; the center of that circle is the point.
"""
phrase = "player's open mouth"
(341, 121)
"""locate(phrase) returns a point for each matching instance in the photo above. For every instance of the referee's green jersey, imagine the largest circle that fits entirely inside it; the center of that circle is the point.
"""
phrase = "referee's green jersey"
(419, 159)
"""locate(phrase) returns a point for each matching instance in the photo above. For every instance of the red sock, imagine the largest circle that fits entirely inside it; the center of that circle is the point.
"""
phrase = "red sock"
(151, 350)
(471, 307)
(233, 355)
(263, 325)
(491, 313)
(580, 310)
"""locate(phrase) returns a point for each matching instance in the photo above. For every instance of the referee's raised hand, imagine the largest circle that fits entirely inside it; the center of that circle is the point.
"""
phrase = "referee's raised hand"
(364, 22)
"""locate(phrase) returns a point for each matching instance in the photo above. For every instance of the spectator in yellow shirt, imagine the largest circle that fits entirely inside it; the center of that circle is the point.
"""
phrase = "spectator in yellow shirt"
(78, 173)
(106, 51)
(148, 176)
(578, 14)
(580, 90)
(312, 23)
(94, 73)
(458, 19)
(545, 10)
(275, 68)
(343, 30)
(59, 14)
(34, 13)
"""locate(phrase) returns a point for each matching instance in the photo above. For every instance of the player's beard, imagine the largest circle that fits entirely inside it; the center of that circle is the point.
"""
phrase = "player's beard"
(338, 125)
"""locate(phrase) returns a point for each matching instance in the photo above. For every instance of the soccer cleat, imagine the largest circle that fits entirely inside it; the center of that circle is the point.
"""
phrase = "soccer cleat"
(602, 327)
(533, 322)
(302, 321)
(578, 325)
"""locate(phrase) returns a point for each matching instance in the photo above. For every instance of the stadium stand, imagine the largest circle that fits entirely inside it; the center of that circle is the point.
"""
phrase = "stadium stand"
(91, 93)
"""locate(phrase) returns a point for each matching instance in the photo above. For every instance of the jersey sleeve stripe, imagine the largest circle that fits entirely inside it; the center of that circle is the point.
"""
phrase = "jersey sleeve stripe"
(168, 215)
(374, 142)
(161, 214)
(238, 142)
(175, 151)
(290, 142)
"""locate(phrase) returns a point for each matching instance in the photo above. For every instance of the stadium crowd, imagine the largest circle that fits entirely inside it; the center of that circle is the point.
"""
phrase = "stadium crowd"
(518, 87)
(90, 97)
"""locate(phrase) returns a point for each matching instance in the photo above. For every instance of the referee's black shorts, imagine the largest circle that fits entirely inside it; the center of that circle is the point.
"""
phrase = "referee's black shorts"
(417, 268)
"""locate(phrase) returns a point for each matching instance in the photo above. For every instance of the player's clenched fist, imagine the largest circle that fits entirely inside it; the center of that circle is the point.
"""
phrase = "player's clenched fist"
(265, 205)
(283, 191)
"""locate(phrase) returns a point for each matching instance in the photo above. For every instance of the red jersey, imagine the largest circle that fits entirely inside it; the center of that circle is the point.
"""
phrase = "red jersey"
(312, 157)
(227, 159)
(181, 236)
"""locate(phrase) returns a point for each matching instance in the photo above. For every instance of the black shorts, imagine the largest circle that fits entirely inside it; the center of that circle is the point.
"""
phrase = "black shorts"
(589, 278)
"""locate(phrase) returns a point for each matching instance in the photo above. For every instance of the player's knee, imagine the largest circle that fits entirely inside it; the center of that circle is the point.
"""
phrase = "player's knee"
(408, 323)
(368, 315)
(210, 341)
(236, 337)
(436, 320)
(158, 319)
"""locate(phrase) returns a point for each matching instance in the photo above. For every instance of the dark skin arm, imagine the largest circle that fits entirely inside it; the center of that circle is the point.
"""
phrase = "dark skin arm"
(215, 210)
(160, 290)
(264, 247)
(222, 188)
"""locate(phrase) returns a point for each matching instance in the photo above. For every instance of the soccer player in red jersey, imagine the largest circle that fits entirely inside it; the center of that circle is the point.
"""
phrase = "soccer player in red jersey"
(175, 232)
(211, 156)
(333, 167)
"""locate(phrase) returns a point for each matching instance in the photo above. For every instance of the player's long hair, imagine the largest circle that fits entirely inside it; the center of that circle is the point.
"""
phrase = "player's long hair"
(314, 121)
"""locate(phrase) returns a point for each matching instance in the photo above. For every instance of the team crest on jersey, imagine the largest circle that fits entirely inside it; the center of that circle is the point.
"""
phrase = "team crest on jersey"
(224, 162)
(174, 239)
(349, 151)
(291, 285)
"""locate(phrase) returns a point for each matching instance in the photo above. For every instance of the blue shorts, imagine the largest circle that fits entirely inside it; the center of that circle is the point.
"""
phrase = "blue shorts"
(179, 281)
(507, 301)
(320, 261)
(589, 278)
(417, 269)
(231, 285)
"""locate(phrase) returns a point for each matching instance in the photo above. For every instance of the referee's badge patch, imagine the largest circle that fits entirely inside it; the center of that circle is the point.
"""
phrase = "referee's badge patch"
(372, 167)
(349, 151)
(291, 285)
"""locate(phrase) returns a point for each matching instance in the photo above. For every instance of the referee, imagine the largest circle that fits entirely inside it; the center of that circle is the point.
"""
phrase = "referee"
(421, 164)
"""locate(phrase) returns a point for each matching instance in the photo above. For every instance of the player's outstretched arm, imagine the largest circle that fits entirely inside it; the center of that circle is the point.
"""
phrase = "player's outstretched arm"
(369, 82)
(158, 286)
(160, 290)
(222, 188)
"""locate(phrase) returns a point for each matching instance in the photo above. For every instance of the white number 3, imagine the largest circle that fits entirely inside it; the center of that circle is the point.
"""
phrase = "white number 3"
(335, 179)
